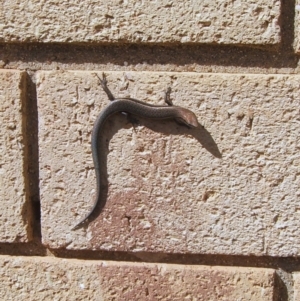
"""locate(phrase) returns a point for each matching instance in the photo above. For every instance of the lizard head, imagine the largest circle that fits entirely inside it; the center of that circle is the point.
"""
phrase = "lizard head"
(187, 118)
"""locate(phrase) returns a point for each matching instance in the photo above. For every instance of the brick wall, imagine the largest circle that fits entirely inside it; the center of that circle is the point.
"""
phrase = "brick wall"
(211, 213)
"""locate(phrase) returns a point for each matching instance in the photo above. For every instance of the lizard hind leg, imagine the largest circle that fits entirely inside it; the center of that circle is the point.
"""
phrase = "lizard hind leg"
(103, 83)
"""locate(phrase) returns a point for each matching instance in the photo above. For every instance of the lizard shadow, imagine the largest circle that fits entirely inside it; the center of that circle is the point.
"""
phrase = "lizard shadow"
(166, 127)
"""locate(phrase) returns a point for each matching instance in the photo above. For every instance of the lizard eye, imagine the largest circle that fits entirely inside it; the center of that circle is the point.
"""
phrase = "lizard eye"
(182, 121)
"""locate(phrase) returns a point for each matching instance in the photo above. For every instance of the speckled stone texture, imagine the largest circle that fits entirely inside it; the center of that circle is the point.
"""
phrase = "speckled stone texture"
(230, 186)
(200, 21)
(60, 279)
(296, 278)
(297, 26)
(14, 213)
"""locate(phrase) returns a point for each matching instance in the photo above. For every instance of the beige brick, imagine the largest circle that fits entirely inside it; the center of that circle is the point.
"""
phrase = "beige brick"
(297, 26)
(47, 278)
(199, 21)
(296, 277)
(14, 214)
(170, 190)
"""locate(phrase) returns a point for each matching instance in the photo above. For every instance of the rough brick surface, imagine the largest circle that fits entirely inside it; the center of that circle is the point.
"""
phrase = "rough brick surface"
(200, 21)
(231, 187)
(48, 278)
(14, 212)
(297, 26)
(296, 277)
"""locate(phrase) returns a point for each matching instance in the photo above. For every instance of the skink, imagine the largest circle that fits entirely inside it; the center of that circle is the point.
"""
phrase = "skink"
(133, 107)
